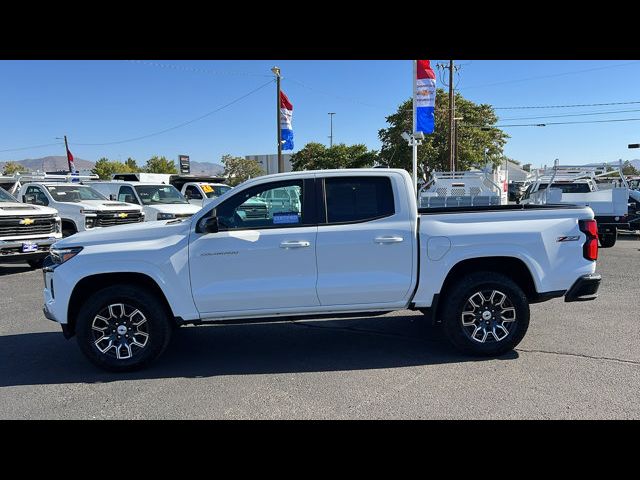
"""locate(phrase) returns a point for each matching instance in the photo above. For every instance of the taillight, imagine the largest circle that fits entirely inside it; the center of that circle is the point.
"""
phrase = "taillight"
(590, 248)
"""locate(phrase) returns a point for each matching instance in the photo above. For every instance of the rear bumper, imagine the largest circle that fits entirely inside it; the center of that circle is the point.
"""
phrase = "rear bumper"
(584, 288)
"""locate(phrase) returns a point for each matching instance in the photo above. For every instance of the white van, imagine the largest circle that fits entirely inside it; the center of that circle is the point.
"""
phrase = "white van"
(159, 201)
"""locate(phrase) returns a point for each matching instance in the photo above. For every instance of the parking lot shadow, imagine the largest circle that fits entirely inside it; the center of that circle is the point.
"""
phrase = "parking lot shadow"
(10, 269)
(207, 351)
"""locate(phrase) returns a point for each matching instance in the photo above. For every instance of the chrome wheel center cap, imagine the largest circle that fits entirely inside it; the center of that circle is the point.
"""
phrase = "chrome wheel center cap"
(485, 316)
(122, 330)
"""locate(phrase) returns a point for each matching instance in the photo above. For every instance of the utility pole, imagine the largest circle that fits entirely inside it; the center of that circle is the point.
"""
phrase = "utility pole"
(452, 110)
(331, 114)
(452, 107)
(276, 71)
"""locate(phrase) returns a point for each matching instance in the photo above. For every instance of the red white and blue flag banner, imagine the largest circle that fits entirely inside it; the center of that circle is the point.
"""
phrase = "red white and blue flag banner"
(425, 97)
(286, 130)
(72, 166)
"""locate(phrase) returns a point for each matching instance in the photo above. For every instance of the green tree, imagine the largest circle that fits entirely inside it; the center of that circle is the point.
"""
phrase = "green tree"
(158, 164)
(13, 167)
(133, 166)
(315, 156)
(629, 169)
(238, 169)
(477, 136)
(105, 168)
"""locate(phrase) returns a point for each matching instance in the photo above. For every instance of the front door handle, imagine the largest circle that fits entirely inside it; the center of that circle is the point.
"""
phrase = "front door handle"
(390, 239)
(302, 244)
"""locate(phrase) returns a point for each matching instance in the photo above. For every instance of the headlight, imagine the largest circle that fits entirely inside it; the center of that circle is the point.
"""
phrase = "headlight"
(58, 225)
(166, 216)
(88, 212)
(61, 255)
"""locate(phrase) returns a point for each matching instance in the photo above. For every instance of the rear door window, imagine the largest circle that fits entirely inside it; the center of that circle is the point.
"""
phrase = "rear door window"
(358, 199)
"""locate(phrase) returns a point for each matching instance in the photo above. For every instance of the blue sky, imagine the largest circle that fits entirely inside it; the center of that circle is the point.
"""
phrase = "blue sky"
(97, 102)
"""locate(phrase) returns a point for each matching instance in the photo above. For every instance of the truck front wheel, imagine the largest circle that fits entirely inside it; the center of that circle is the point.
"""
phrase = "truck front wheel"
(122, 328)
(485, 313)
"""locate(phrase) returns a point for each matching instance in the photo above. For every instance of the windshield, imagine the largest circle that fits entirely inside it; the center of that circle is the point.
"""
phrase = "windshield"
(213, 191)
(154, 194)
(572, 187)
(6, 197)
(73, 193)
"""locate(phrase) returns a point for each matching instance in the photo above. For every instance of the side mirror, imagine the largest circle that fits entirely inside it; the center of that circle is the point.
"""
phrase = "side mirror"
(208, 224)
(187, 196)
(29, 198)
(112, 197)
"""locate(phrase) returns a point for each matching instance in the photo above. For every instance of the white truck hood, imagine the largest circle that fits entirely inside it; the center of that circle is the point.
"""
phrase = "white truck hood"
(176, 208)
(11, 209)
(146, 232)
(107, 205)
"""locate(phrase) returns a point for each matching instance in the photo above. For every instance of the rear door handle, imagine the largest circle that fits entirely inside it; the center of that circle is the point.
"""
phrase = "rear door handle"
(294, 244)
(390, 239)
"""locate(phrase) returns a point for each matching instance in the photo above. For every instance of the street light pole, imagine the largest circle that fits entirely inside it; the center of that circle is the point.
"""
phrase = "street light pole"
(276, 71)
(331, 114)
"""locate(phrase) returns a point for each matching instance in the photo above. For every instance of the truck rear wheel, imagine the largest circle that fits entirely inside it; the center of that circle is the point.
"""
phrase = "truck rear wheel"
(486, 314)
(122, 328)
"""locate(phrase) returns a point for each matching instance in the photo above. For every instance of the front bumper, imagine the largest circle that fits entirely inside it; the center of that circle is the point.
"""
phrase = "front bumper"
(11, 251)
(584, 288)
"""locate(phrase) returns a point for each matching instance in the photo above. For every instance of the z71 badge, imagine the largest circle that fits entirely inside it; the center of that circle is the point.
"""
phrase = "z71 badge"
(573, 238)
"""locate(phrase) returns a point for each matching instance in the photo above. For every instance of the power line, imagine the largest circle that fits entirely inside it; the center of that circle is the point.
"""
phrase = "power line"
(181, 124)
(31, 147)
(197, 70)
(339, 97)
(584, 114)
(539, 77)
(568, 106)
(562, 123)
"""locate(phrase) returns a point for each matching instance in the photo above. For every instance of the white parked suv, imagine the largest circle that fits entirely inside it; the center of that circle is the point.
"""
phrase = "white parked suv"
(80, 207)
(160, 201)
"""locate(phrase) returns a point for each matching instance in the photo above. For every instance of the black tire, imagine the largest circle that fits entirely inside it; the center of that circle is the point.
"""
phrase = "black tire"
(608, 240)
(156, 325)
(458, 298)
(36, 263)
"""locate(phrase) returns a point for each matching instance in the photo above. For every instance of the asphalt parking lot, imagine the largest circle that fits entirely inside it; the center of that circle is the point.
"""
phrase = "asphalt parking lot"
(578, 361)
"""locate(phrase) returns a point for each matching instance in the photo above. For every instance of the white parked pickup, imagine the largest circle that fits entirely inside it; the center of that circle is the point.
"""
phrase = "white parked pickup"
(354, 242)
(80, 207)
(201, 193)
(160, 201)
(26, 231)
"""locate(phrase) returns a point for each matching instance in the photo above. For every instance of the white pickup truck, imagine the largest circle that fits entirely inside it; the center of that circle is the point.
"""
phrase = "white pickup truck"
(160, 201)
(80, 207)
(26, 231)
(200, 193)
(355, 244)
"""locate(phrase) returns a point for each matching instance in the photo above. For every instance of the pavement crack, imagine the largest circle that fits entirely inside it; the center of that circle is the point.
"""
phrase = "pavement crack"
(579, 355)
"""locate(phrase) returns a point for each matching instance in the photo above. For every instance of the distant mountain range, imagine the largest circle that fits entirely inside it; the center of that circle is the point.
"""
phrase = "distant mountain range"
(55, 163)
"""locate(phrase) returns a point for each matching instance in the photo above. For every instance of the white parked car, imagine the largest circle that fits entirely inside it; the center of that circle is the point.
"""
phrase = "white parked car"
(352, 242)
(160, 201)
(80, 207)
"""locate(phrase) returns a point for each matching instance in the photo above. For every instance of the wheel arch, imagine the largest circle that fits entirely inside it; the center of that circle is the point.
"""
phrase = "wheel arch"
(511, 267)
(94, 283)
